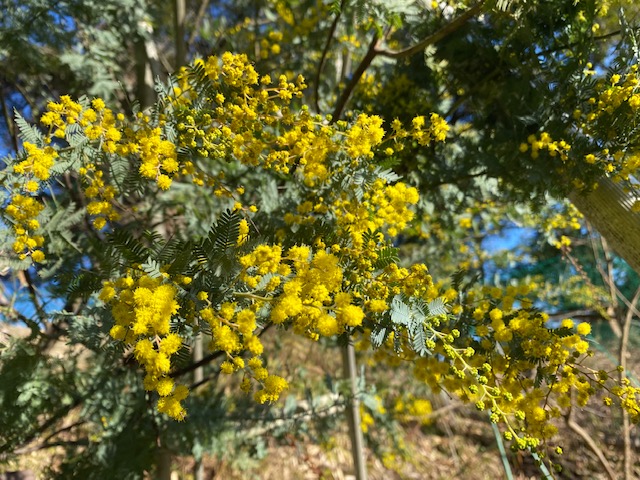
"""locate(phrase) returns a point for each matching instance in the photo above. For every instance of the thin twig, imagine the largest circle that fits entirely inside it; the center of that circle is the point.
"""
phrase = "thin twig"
(597, 38)
(610, 275)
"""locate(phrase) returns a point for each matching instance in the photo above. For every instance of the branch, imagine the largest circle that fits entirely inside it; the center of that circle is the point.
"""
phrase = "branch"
(178, 26)
(196, 23)
(373, 51)
(610, 282)
(44, 444)
(190, 368)
(445, 31)
(61, 413)
(592, 445)
(207, 359)
(346, 93)
(9, 121)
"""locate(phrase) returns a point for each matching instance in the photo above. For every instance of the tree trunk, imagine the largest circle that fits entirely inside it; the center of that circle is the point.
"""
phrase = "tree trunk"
(608, 209)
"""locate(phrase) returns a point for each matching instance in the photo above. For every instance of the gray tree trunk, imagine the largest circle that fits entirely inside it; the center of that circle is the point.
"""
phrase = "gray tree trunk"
(608, 209)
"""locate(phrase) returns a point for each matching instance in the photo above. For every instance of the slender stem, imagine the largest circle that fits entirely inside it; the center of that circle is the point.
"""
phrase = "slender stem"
(586, 437)
(198, 379)
(503, 452)
(610, 275)
(567, 46)
(9, 121)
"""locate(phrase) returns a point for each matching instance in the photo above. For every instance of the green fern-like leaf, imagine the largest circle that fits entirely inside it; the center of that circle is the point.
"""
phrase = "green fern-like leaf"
(419, 341)
(378, 336)
(387, 256)
(436, 307)
(400, 312)
(224, 234)
(221, 244)
(28, 132)
(128, 247)
(181, 260)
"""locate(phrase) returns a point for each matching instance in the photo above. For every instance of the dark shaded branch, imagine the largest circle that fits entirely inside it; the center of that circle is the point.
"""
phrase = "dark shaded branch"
(456, 180)
(373, 51)
(445, 31)
(346, 93)
(60, 414)
(9, 121)
(207, 359)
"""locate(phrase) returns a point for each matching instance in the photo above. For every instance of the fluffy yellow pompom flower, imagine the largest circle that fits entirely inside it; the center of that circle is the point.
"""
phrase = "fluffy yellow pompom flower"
(583, 328)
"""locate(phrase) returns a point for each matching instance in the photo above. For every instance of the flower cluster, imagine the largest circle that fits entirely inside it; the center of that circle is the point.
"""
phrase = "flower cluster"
(515, 365)
(545, 142)
(37, 164)
(365, 134)
(158, 158)
(142, 307)
(24, 210)
(613, 109)
(234, 331)
(101, 196)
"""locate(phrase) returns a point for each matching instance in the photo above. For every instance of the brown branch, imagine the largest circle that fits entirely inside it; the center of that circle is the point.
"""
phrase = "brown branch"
(346, 93)
(323, 58)
(190, 368)
(566, 253)
(631, 306)
(179, 12)
(610, 275)
(435, 37)
(60, 414)
(373, 51)
(25, 279)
